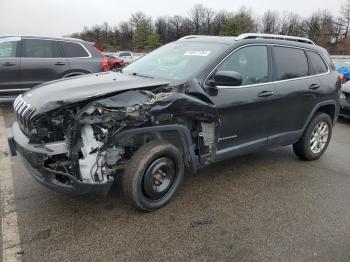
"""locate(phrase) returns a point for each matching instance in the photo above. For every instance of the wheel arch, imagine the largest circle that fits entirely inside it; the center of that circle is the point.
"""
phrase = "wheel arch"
(327, 107)
(176, 134)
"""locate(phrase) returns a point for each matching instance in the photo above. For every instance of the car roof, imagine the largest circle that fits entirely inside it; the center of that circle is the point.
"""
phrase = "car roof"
(49, 38)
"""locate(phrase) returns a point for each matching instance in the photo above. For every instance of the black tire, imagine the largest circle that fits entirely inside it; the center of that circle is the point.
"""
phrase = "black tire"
(303, 147)
(139, 177)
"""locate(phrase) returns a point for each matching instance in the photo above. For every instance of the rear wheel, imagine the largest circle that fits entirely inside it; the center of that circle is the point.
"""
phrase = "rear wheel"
(315, 139)
(153, 175)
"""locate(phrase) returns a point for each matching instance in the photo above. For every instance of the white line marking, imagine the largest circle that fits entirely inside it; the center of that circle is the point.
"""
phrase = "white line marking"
(9, 225)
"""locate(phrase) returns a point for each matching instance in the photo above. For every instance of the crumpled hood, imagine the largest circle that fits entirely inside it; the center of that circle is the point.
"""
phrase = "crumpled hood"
(53, 95)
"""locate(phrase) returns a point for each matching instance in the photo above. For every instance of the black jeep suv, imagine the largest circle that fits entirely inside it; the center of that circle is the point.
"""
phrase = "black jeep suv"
(27, 61)
(186, 105)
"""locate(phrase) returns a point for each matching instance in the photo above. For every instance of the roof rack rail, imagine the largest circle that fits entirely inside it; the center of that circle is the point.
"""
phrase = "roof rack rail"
(273, 36)
(233, 38)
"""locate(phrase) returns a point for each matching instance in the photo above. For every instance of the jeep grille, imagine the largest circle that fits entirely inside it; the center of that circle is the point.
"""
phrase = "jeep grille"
(24, 112)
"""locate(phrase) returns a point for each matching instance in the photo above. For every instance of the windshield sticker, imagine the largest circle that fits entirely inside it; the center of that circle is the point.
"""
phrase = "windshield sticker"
(197, 53)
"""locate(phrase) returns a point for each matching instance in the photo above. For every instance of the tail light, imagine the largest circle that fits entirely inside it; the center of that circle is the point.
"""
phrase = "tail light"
(104, 64)
(104, 61)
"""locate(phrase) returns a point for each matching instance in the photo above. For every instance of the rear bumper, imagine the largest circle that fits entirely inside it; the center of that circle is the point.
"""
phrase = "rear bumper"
(34, 157)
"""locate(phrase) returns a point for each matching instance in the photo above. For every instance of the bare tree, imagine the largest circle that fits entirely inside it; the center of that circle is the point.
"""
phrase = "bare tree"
(208, 20)
(270, 22)
(219, 20)
(291, 24)
(138, 17)
(320, 27)
(197, 14)
(176, 24)
(345, 17)
(161, 27)
(246, 21)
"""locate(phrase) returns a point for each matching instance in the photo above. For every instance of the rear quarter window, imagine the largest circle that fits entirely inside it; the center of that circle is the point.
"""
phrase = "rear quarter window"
(290, 63)
(317, 63)
(71, 49)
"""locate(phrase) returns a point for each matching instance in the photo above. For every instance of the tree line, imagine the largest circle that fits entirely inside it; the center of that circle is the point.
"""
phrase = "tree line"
(142, 33)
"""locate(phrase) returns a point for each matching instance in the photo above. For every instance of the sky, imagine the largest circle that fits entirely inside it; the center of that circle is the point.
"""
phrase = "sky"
(63, 17)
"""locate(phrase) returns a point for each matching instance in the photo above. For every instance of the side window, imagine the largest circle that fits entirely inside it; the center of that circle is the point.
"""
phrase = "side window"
(8, 47)
(71, 49)
(251, 62)
(290, 63)
(317, 63)
(37, 48)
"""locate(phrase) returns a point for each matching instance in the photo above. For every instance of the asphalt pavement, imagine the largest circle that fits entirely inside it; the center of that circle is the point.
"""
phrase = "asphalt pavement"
(266, 206)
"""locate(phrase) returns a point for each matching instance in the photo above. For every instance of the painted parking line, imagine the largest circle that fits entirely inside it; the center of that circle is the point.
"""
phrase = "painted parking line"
(11, 249)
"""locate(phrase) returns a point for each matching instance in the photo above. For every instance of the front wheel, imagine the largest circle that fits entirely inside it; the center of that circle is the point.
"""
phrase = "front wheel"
(153, 175)
(315, 139)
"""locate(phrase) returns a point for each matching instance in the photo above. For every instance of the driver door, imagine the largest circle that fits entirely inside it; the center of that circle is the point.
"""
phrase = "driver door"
(245, 111)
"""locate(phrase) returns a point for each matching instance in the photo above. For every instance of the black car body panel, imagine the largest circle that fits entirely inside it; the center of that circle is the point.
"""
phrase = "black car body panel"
(103, 119)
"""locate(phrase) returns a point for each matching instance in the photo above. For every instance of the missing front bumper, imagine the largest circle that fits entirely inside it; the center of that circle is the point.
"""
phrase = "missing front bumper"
(33, 158)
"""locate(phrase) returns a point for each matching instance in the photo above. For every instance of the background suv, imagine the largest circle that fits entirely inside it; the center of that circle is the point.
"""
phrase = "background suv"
(29, 61)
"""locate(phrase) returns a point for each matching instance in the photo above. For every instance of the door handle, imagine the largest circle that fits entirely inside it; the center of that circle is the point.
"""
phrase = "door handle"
(265, 94)
(8, 64)
(59, 63)
(314, 86)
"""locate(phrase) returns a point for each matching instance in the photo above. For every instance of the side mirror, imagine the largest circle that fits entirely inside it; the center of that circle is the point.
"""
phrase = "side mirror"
(226, 78)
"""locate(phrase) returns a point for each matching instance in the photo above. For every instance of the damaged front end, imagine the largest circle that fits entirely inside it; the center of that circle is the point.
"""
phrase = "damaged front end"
(97, 138)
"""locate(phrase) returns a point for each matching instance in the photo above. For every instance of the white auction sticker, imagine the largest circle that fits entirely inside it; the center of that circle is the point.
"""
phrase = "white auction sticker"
(197, 53)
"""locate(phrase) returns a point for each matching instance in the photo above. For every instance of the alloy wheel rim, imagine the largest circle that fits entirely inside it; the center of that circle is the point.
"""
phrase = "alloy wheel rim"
(319, 137)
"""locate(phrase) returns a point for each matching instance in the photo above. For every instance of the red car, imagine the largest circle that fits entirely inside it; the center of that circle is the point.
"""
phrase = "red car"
(114, 62)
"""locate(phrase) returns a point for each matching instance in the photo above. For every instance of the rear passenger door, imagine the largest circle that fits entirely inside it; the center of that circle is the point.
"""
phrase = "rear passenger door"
(79, 58)
(42, 61)
(296, 92)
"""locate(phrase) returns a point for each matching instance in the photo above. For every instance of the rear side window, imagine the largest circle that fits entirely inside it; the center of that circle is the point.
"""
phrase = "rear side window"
(37, 48)
(71, 49)
(290, 63)
(8, 48)
(251, 62)
(318, 64)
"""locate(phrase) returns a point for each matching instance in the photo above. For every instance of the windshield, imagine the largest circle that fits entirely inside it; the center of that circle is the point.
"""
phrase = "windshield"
(176, 61)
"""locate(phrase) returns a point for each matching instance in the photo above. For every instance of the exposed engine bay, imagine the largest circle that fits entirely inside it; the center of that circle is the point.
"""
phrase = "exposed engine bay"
(93, 153)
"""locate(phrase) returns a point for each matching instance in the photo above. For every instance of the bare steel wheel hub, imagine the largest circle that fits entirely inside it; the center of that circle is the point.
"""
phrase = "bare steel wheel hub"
(158, 178)
(319, 137)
